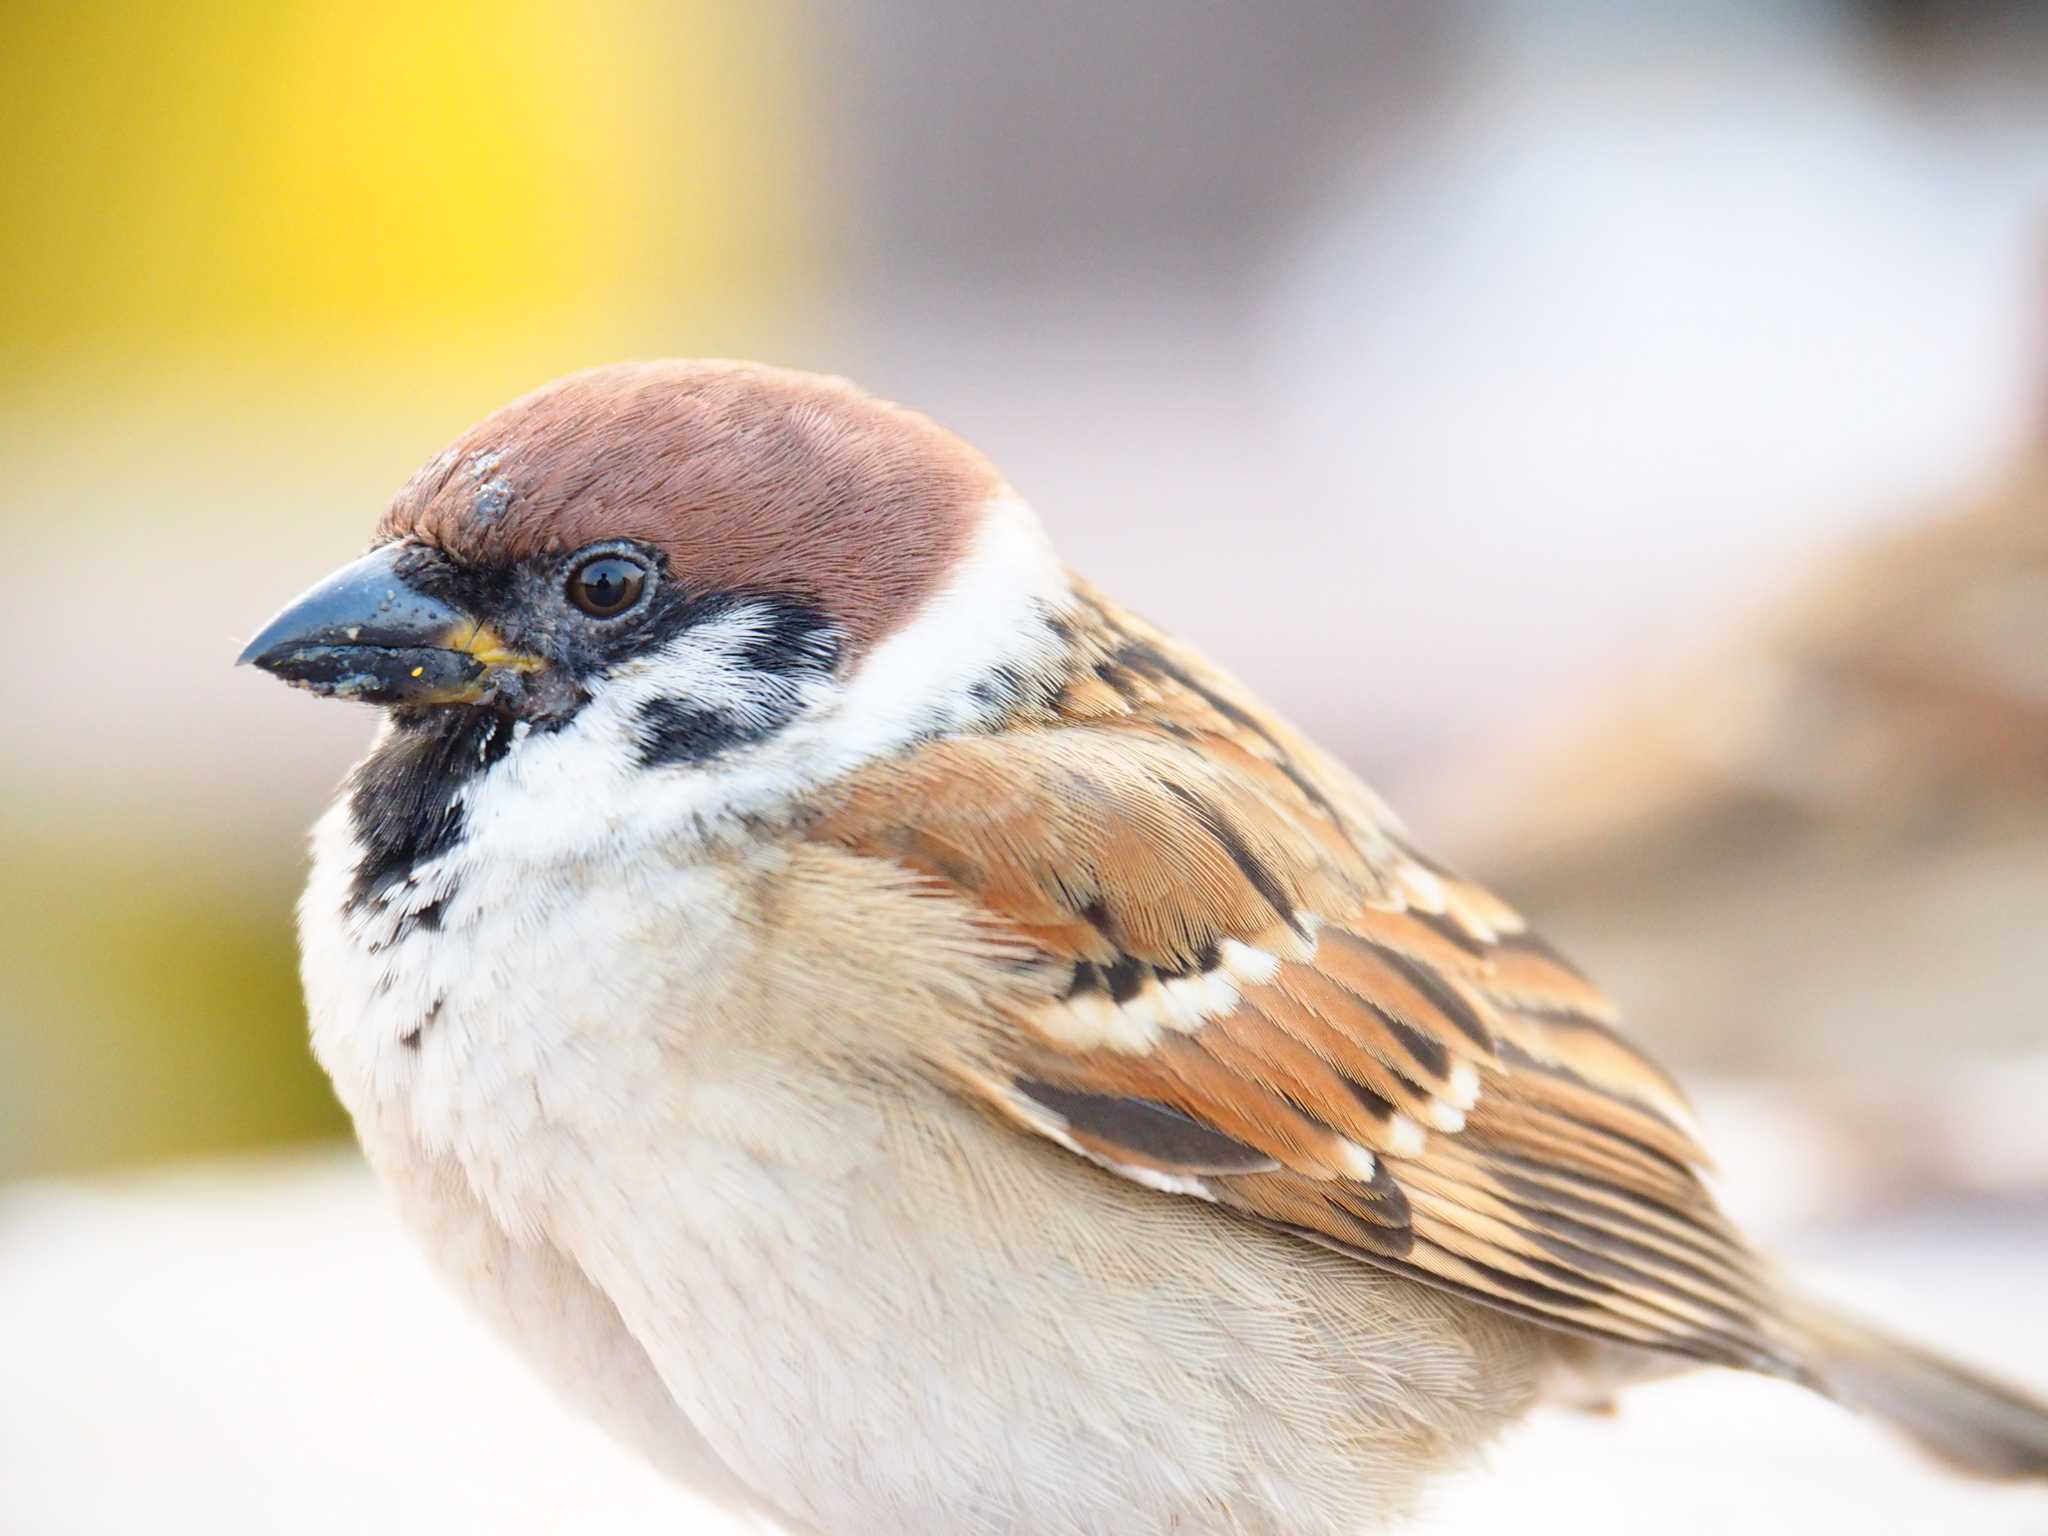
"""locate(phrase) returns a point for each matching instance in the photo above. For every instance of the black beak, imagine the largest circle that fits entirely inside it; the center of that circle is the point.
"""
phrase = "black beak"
(365, 633)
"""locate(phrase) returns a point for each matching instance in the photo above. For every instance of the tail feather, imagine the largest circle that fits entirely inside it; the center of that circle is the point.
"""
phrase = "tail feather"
(1974, 1423)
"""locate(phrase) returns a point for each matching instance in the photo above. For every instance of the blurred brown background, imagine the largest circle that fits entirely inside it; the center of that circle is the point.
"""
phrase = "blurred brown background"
(1498, 387)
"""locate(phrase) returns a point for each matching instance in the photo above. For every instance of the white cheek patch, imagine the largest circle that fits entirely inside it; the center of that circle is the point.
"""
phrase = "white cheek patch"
(699, 741)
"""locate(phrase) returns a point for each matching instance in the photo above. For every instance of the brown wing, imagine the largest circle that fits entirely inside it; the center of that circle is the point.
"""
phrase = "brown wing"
(1270, 1002)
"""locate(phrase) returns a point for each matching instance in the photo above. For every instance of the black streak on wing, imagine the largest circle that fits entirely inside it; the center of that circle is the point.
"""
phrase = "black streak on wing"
(1371, 1100)
(1535, 944)
(1125, 978)
(1449, 931)
(1096, 911)
(1138, 656)
(1249, 864)
(1428, 1052)
(1544, 1176)
(1151, 1131)
(1440, 994)
(1514, 1056)
(1377, 1245)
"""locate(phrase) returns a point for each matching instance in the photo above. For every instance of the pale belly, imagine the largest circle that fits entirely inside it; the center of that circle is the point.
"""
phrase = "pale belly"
(868, 1328)
(882, 1326)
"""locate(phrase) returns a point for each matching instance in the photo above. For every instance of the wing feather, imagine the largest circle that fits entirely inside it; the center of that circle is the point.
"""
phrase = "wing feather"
(1267, 999)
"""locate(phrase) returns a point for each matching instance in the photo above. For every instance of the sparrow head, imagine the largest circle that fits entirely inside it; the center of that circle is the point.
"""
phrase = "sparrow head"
(593, 524)
(666, 600)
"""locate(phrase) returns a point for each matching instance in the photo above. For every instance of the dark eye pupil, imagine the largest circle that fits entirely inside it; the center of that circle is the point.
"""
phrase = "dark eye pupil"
(606, 586)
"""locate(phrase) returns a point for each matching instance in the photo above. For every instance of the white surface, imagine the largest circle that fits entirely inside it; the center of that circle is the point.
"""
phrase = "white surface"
(252, 1348)
(256, 1349)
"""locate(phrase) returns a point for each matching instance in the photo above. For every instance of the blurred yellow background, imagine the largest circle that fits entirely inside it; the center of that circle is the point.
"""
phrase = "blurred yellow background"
(215, 194)
(258, 260)
(1437, 367)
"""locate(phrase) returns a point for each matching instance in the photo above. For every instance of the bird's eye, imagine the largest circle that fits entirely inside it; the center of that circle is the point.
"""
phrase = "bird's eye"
(606, 587)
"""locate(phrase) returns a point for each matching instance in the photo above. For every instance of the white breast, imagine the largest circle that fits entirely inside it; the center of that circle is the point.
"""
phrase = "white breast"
(503, 1037)
(480, 1061)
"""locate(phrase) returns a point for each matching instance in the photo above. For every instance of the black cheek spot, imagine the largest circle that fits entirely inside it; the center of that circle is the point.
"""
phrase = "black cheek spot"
(789, 642)
(674, 733)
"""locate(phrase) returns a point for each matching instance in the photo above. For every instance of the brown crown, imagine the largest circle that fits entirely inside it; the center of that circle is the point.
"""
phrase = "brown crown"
(748, 477)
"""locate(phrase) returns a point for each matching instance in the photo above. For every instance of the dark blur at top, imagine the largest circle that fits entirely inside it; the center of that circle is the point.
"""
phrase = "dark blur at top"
(1435, 365)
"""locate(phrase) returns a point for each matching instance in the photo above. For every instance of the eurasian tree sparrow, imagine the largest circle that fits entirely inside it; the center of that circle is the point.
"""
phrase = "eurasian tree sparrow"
(917, 1050)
